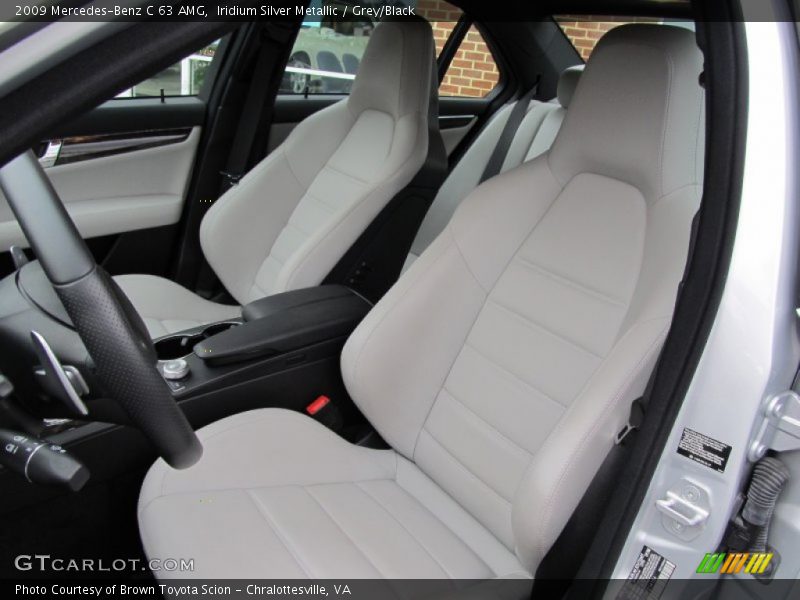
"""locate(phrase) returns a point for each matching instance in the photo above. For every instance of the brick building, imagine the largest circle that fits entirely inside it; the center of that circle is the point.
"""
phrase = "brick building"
(473, 71)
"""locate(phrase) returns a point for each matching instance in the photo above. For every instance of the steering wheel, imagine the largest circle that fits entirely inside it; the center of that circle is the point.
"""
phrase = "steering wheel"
(107, 323)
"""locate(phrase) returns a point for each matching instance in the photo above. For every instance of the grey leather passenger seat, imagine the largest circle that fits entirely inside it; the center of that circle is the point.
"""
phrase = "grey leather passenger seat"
(499, 368)
(296, 213)
(533, 137)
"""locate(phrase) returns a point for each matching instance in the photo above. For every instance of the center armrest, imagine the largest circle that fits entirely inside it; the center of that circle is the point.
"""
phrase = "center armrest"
(285, 322)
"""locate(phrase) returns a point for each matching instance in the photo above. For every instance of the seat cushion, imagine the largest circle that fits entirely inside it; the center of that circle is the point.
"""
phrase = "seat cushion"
(277, 495)
(167, 307)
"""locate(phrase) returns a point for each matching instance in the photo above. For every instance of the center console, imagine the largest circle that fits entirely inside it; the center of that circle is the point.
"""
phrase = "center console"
(283, 352)
(276, 332)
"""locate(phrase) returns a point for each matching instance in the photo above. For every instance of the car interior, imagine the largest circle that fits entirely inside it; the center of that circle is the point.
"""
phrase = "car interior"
(355, 326)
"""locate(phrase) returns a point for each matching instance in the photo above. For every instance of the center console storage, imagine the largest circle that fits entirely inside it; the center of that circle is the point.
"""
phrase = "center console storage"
(285, 322)
(284, 352)
(178, 345)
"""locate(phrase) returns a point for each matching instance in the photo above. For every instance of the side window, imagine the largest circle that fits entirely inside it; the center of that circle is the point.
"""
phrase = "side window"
(326, 56)
(327, 53)
(184, 78)
(473, 71)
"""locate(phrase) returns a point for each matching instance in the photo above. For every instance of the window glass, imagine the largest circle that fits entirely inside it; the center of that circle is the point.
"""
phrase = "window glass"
(326, 56)
(184, 78)
(327, 53)
(473, 71)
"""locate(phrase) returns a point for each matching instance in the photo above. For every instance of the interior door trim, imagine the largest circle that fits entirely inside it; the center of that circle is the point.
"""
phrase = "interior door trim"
(62, 151)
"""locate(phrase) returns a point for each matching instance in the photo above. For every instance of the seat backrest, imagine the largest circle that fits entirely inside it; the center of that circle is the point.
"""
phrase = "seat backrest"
(292, 217)
(534, 136)
(504, 361)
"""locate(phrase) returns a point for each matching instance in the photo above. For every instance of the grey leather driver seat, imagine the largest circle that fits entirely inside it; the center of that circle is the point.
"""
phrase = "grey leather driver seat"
(499, 368)
(295, 214)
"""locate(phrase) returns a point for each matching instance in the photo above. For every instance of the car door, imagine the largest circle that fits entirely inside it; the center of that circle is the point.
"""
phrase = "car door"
(123, 168)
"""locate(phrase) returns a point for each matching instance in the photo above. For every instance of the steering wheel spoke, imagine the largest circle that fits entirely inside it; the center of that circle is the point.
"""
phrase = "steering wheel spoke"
(111, 329)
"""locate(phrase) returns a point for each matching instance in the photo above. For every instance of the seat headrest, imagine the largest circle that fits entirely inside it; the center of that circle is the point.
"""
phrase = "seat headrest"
(637, 112)
(395, 71)
(567, 84)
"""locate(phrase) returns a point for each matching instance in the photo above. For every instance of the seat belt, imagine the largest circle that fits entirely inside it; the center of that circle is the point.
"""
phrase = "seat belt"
(260, 97)
(500, 152)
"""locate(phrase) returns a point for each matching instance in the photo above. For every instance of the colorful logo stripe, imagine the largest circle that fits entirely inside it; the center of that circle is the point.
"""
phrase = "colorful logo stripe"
(754, 563)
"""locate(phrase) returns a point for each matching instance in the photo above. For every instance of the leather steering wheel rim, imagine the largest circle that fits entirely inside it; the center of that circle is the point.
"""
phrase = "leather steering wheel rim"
(112, 331)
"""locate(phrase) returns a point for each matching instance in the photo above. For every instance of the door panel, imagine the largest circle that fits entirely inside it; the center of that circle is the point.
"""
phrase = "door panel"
(458, 118)
(122, 171)
(130, 190)
(123, 115)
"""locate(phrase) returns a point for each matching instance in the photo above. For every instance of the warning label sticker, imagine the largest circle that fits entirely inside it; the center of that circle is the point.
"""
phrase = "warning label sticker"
(648, 578)
(704, 450)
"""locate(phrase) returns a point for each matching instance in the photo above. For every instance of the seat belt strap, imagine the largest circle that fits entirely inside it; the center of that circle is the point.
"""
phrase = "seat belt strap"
(500, 152)
(255, 104)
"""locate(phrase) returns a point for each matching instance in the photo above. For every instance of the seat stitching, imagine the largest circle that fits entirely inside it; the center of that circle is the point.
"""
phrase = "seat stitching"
(366, 194)
(264, 417)
(260, 487)
(346, 174)
(487, 293)
(322, 201)
(665, 123)
(303, 190)
(568, 281)
(357, 360)
(536, 325)
(383, 507)
(290, 168)
(465, 467)
(467, 265)
(387, 184)
(613, 399)
(346, 535)
(452, 531)
(503, 369)
(282, 538)
(293, 225)
(478, 313)
(259, 291)
(489, 425)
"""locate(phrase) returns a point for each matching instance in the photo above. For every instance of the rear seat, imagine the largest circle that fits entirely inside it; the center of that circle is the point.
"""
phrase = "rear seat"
(534, 136)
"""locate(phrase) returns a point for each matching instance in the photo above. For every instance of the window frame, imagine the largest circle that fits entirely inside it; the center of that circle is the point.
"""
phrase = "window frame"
(204, 91)
(443, 61)
(453, 44)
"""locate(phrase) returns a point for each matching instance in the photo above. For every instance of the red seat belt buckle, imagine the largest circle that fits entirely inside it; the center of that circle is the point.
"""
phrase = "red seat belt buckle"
(317, 405)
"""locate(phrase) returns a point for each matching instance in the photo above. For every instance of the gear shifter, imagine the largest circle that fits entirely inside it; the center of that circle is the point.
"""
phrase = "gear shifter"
(41, 462)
